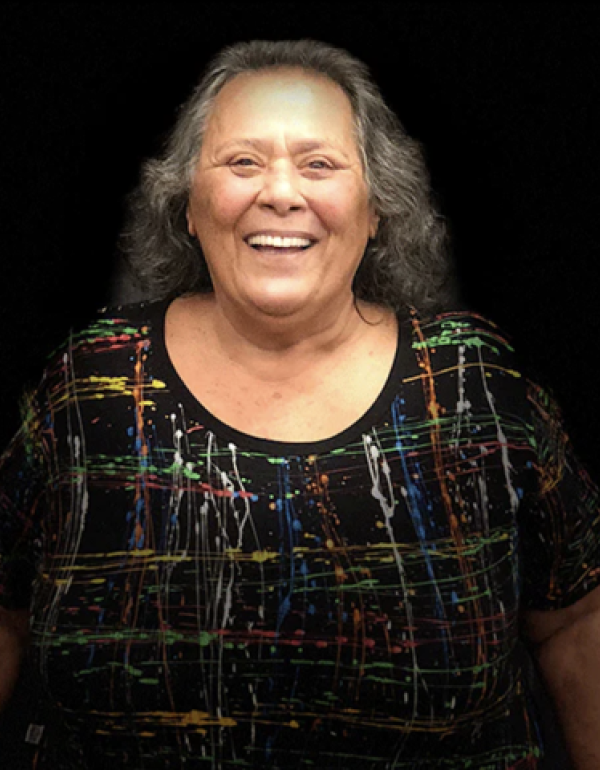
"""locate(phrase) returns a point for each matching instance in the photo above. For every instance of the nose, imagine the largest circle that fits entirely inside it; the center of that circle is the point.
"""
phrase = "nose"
(281, 189)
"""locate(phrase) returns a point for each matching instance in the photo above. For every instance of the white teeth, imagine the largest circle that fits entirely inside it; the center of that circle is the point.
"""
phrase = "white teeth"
(278, 242)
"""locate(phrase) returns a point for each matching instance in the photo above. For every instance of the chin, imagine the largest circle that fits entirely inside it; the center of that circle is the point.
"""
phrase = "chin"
(281, 309)
(280, 302)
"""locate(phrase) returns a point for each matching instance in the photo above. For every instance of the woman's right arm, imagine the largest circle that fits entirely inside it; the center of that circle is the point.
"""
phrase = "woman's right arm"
(14, 638)
(22, 489)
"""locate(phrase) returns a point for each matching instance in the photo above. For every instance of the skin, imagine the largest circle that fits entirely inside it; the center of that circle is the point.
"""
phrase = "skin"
(567, 653)
(14, 638)
(279, 154)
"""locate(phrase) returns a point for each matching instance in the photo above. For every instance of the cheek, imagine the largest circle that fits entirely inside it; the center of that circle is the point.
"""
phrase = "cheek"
(230, 202)
(219, 205)
(343, 213)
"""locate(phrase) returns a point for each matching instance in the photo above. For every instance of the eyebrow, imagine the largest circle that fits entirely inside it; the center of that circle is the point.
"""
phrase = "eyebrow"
(301, 145)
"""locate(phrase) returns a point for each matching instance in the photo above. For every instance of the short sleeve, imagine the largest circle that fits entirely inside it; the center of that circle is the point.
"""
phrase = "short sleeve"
(22, 497)
(560, 524)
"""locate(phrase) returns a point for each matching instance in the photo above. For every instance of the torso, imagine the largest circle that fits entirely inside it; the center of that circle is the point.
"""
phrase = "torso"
(212, 600)
(326, 400)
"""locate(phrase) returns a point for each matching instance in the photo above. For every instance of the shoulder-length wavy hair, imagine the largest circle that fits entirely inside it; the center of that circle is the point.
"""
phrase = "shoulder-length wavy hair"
(407, 264)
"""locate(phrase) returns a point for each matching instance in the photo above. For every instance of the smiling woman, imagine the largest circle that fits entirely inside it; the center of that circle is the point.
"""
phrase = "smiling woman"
(406, 264)
(301, 178)
(290, 511)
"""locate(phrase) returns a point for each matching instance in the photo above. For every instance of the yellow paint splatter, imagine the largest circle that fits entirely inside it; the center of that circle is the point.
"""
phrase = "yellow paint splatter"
(200, 718)
(262, 556)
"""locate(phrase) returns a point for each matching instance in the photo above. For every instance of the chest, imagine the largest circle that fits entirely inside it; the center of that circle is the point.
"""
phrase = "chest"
(320, 564)
(332, 403)
(315, 403)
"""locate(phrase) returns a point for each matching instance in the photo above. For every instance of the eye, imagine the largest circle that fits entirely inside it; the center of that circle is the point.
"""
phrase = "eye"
(320, 165)
(244, 162)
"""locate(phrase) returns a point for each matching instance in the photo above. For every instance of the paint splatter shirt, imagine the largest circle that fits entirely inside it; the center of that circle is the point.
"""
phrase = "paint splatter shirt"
(207, 599)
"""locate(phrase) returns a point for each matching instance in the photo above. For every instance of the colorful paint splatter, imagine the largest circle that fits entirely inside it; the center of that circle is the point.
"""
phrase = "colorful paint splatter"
(209, 599)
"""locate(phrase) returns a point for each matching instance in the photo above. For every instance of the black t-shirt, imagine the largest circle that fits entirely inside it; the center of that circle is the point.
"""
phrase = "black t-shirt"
(202, 598)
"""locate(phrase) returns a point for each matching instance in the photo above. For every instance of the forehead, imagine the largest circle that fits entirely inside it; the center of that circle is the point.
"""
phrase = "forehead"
(292, 98)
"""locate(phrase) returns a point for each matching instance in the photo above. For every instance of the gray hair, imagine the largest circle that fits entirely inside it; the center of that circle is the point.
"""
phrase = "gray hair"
(407, 264)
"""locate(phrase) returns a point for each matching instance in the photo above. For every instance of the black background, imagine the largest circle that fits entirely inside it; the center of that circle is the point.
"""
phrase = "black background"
(504, 97)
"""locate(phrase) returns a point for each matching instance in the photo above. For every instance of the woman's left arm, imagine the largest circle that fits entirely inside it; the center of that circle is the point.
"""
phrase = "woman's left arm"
(566, 647)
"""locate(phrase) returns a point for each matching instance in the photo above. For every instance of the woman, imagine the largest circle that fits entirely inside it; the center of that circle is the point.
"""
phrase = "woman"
(290, 512)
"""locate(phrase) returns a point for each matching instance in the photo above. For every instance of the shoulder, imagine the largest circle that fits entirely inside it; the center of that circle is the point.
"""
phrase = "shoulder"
(103, 345)
(465, 357)
(461, 329)
(96, 362)
(113, 328)
(138, 319)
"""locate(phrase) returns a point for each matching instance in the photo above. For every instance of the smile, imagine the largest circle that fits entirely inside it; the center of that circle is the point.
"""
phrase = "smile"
(281, 243)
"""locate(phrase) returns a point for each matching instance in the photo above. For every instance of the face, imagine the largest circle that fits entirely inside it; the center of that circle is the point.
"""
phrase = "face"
(278, 201)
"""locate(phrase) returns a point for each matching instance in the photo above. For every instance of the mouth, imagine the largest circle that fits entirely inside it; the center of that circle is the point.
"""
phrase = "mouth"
(276, 244)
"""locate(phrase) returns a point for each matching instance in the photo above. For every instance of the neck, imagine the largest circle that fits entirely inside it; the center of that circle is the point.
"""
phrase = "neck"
(278, 348)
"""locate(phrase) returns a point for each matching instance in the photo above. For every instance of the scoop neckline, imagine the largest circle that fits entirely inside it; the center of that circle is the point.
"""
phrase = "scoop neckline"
(165, 370)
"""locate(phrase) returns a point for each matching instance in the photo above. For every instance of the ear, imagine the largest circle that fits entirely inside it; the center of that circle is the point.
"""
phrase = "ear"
(190, 222)
(373, 224)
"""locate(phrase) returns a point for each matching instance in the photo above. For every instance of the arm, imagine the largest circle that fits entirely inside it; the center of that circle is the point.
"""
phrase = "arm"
(567, 651)
(22, 488)
(14, 637)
